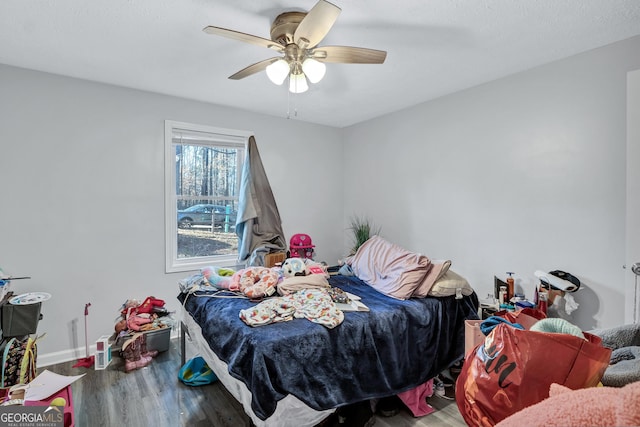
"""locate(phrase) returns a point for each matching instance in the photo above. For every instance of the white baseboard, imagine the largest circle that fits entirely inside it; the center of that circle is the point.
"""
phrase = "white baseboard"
(48, 359)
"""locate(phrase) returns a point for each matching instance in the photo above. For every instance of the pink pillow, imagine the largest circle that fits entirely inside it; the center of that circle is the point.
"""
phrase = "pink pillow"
(593, 406)
(389, 268)
(437, 271)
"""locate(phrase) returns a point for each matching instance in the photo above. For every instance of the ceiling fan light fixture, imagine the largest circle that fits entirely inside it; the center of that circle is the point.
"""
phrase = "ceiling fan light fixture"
(298, 83)
(297, 36)
(314, 70)
(278, 71)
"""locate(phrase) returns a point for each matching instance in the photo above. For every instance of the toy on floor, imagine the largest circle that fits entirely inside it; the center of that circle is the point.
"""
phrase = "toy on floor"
(87, 361)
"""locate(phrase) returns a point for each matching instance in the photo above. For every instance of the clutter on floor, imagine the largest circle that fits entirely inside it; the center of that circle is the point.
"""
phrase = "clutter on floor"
(52, 390)
(416, 401)
(135, 352)
(520, 355)
(544, 370)
(195, 372)
(19, 319)
(142, 330)
(88, 360)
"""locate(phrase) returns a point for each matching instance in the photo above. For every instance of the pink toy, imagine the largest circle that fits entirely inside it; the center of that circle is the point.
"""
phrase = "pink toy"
(301, 246)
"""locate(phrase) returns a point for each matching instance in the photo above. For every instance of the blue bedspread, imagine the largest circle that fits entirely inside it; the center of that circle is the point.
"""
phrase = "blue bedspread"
(396, 346)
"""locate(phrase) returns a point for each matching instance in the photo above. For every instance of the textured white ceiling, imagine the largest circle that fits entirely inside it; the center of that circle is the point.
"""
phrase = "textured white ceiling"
(434, 47)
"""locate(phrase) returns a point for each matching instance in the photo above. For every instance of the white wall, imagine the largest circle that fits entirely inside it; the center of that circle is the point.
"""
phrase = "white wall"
(521, 174)
(82, 196)
(524, 173)
(632, 306)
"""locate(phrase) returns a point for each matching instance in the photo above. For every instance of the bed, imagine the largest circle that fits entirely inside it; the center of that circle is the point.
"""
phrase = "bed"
(296, 373)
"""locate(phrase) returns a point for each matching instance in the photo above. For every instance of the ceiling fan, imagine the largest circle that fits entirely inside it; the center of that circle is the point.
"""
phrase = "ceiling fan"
(296, 35)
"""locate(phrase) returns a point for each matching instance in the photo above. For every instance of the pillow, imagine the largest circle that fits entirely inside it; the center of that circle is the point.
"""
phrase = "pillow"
(592, 406)
(450, 284)
(437, 271)
(389, 268)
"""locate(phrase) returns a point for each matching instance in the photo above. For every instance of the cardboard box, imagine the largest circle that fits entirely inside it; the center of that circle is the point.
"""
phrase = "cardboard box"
(473, 336)
(273, 258)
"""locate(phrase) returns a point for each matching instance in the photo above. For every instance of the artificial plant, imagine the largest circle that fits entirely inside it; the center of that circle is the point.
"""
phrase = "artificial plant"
(362, 229)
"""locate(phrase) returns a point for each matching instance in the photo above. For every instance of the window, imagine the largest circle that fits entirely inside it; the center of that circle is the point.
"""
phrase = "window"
(203, 166)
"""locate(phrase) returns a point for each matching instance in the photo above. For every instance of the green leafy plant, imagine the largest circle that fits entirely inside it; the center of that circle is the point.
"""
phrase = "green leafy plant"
(362, 229)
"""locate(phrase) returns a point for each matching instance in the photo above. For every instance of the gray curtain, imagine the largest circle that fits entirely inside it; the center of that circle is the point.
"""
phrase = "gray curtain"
(258, 225)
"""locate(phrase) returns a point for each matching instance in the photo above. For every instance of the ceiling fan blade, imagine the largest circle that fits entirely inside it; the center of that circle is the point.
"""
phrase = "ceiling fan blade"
(349, 55)
(243, 37)
(253, 69)
(316, 24)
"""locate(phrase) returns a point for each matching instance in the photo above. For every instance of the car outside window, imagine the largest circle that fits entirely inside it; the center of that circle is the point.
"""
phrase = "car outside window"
(203, 167)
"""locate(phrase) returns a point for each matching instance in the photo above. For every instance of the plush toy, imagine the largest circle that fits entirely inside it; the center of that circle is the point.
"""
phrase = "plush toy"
(121, 326)
(218, 277)
(294, 267)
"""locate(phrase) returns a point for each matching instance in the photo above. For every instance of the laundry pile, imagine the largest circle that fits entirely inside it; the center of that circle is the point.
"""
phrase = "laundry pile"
(136, 319)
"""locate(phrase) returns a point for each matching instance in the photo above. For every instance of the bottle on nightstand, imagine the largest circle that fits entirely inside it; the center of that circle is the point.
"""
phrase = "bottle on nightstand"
(542, 302)
(510, 287)
(503, 295)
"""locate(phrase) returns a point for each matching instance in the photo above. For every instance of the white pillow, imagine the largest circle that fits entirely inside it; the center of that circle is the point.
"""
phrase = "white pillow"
(438, 269)
(451, 283)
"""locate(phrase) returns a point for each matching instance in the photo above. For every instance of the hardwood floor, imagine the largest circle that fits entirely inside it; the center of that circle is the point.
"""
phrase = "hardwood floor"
(153, 396)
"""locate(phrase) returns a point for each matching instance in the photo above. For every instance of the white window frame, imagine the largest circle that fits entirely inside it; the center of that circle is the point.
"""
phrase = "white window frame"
(223, 136)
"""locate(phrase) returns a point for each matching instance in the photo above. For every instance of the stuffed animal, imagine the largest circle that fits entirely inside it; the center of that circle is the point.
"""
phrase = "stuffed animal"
(218, 277)
(294, 267)
(121, 325)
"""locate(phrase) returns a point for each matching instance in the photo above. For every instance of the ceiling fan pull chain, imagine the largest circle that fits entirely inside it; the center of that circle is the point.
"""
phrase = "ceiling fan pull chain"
(295, 108)
(288, 105)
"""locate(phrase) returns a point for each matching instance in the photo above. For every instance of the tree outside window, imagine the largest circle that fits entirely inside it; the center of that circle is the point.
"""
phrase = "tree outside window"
(203, 170)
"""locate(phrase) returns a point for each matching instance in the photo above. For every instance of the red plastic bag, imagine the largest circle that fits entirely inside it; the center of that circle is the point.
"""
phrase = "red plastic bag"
(514, 368)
